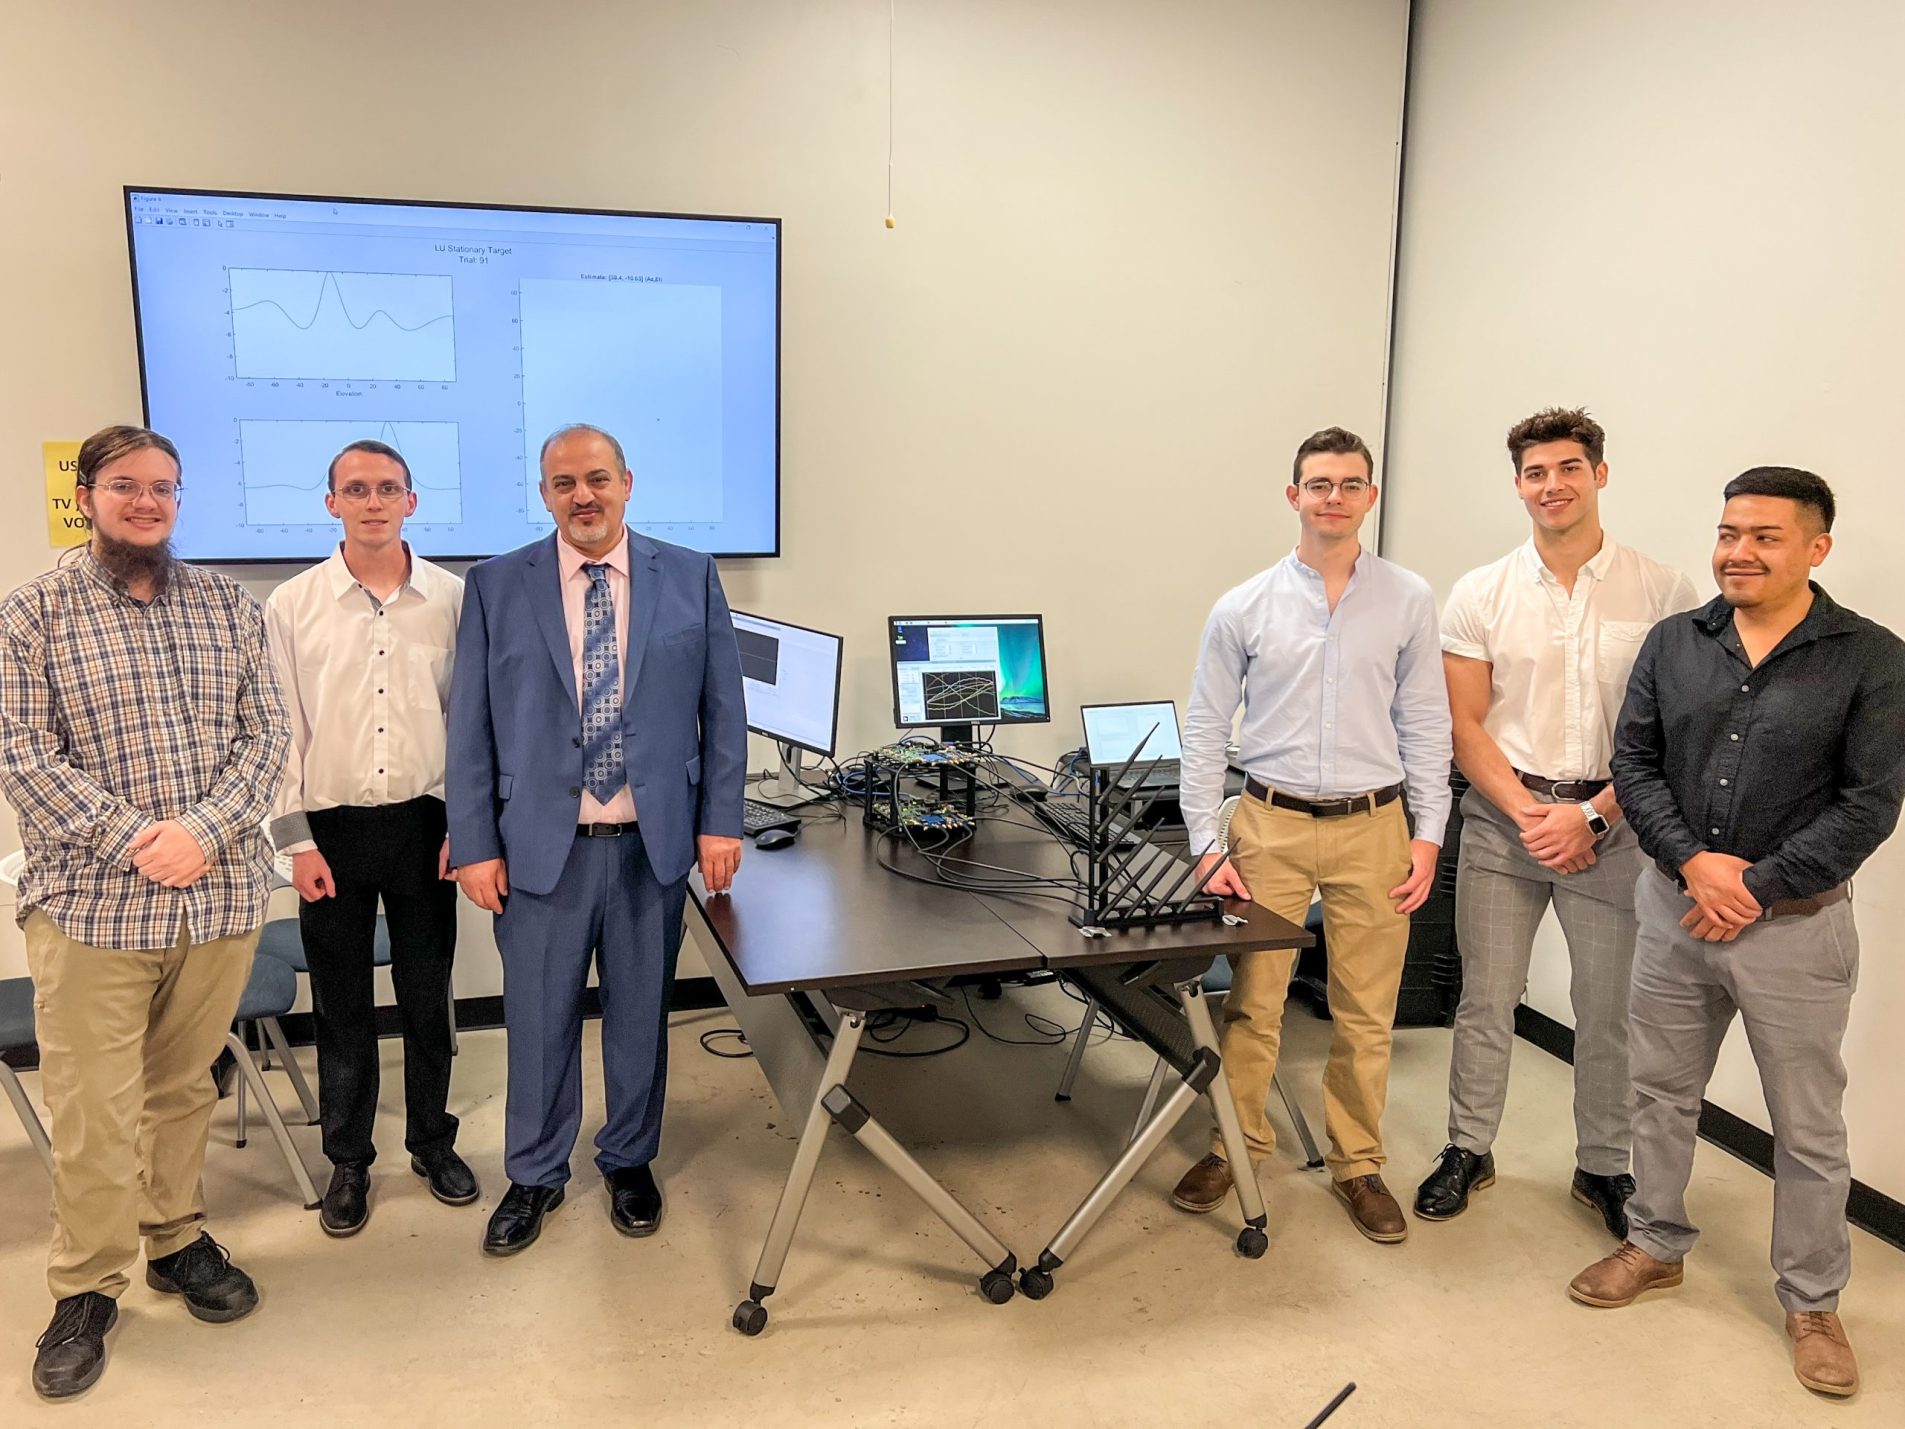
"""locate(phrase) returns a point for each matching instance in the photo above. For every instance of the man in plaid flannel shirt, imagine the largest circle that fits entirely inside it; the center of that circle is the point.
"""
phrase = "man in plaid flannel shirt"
(141, 737)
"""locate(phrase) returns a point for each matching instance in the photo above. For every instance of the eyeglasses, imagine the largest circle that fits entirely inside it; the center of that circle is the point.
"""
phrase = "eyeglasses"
(358, 492)
(1349, 486)
(126, 489)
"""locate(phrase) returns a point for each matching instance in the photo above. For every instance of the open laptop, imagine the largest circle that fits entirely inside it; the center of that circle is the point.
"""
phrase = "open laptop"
(1112, 732)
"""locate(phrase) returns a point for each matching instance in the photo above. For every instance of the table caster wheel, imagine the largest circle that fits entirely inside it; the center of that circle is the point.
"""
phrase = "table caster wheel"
(996, 1286)
(750, 1317)
(1035, 1283)
(1252, 1243)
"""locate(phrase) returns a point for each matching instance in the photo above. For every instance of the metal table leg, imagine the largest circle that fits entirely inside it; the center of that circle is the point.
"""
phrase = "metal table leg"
(1252, 1240)
(834, 1103)
(1073, 1062)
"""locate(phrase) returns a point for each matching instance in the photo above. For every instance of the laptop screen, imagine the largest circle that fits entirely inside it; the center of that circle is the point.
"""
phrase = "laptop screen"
(1112, 732)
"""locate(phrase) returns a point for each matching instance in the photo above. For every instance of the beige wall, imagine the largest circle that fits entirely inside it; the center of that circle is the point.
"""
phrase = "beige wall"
(1142, 250)
(1684, 216)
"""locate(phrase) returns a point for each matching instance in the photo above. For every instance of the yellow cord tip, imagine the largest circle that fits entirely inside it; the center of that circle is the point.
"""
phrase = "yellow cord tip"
(890, 223)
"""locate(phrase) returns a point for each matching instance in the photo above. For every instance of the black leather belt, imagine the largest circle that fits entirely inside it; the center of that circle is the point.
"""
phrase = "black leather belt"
(1801, 907)
(604, 831)
(1568, 791)
(1322, 808)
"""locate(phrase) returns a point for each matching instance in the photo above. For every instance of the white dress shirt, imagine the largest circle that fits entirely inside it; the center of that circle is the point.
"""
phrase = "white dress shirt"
(1335, 703)
(575, 597)
(366, 684)
(1560, 661)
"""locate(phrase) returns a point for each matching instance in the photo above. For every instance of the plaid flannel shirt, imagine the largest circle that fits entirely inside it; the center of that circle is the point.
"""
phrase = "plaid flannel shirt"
(114, 715)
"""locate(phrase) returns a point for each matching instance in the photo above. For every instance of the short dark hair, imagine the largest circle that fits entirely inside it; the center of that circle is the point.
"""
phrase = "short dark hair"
(1790, 482)
(580, 429)
(108, 444)
(375, 448)
(1338, 441)
(1557, 424)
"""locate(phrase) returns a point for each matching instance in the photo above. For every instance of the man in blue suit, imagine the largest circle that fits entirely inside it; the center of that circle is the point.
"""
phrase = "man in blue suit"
(598, 746)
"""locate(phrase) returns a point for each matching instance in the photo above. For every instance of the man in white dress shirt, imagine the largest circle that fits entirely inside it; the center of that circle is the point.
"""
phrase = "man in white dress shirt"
(1537, 648)
(1332, 653)
(363, 645)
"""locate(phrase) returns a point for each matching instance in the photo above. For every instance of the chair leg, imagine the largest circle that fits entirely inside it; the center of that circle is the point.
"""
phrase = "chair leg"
(29, 1118)
(1073, 1062)
(269, 1027)
(243, 1056)
(248, 1072)
(1312, 1158)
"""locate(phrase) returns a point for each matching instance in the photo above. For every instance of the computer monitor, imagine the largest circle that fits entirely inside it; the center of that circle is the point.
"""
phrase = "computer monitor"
(1113, 733)
(790, 676)
(957, 671)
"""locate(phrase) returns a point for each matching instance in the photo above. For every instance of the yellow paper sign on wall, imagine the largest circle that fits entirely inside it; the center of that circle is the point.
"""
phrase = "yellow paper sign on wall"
(64, 524)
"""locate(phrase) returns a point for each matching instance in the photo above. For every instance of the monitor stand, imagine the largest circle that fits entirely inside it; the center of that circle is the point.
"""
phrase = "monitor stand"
(956, 734)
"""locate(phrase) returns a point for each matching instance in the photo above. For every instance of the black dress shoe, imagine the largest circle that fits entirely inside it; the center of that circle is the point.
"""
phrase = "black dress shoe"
(634, 1201)
(517, 1219)
(451, 1180)
(1445, 1194)
(213, 1288)
(346, 1203)
(1608, 1196)
(72, 1352)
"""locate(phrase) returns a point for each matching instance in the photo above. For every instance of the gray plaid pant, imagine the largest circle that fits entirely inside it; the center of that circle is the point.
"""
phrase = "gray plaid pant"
(1791, 982)
(1501, 894)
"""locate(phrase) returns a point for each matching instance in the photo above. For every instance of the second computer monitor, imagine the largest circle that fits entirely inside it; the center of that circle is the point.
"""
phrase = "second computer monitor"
(956, 671)
(790, 676)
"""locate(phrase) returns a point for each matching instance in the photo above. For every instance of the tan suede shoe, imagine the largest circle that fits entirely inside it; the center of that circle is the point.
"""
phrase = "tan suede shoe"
(1204, 1186)
(1822, 1355)
(1611, 1283)
(1372, 1208)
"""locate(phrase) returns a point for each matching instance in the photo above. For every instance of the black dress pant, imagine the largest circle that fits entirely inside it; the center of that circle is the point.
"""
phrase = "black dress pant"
(388, 853)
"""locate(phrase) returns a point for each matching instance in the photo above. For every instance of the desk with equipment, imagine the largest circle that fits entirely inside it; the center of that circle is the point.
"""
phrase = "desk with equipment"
(886, 911)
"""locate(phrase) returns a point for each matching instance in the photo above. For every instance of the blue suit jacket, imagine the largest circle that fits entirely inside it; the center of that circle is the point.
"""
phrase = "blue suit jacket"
(514, 781)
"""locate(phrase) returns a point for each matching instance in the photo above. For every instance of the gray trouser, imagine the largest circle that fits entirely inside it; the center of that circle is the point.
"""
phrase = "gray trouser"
(1791, 982)
(1501, 894)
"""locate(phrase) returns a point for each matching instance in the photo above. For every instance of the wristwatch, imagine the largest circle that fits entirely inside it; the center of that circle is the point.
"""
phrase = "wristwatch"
(1596, 821)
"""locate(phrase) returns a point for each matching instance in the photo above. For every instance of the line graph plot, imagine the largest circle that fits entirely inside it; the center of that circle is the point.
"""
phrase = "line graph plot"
(960, 696)
(299, 324)
(283, 465)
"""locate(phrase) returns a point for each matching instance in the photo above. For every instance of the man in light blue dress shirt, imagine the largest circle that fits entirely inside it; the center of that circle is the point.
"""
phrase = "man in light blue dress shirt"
(1335, 657)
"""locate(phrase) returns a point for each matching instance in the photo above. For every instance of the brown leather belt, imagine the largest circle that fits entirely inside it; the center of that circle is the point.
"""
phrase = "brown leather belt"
(603, 831)
(1568, 791)
(1322, 808)
(1803, 907)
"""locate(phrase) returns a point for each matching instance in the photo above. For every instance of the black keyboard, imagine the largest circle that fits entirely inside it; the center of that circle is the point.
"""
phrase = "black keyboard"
(1066, 818)
(757, 817)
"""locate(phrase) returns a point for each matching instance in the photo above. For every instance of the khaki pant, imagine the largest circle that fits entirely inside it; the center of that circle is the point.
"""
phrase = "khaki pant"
(1284, 857)
(127, 1041)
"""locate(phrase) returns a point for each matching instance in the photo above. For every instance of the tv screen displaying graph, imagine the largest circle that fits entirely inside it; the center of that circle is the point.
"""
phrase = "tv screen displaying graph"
(275, 329)
(954, 670)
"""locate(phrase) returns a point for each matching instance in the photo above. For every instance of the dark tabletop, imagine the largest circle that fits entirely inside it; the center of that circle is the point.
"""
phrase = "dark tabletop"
(824, 913)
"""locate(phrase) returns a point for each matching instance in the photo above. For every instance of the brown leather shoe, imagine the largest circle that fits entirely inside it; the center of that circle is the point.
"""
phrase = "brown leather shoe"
(1204, 1186)
(1372, 1208)
(1822, 1355)
(1614, 1282)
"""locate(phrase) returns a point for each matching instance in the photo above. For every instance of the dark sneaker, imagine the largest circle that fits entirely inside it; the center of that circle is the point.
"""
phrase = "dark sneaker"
(1204, 1186)
(72, 1352)
(1607, 1196)
(346, 1204)
(451, 1180)
(213, 1288)
(1444, 1195)
(1372, 1208)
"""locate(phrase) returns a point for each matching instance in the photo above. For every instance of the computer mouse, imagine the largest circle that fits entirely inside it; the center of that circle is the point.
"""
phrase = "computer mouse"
(774, 838)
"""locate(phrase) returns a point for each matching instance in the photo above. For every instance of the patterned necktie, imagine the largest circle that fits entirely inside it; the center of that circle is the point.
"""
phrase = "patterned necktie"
(602, 771)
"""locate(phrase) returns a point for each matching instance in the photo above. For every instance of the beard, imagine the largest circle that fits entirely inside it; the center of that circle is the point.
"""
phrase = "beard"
(130, 564)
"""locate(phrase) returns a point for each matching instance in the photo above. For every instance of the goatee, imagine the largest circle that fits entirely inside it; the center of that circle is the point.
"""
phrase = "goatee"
(131, 564)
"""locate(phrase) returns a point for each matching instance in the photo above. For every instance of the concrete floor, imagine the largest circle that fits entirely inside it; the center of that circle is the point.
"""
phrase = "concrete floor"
(1155, 1321)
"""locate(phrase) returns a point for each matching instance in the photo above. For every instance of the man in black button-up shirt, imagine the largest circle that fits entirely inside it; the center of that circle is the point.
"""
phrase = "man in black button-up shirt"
(1761, 759)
